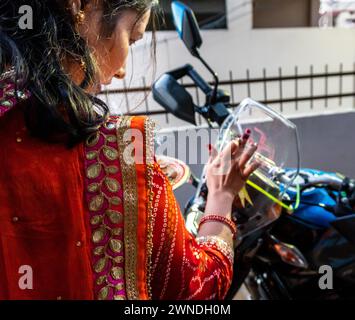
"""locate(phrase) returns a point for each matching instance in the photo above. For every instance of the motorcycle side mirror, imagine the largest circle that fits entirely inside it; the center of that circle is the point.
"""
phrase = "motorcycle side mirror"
(187, 26)
(174, 98)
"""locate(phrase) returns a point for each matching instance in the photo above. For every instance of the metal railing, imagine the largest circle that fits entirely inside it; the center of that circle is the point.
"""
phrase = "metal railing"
(285, 92)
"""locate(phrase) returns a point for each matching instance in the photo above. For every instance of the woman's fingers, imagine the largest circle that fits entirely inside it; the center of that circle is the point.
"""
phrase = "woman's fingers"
(213, 153)
(241, 143)
(250, 169)
(234, 149)
(247, 155)
(245, 137)
(229, 150)
(233, 152)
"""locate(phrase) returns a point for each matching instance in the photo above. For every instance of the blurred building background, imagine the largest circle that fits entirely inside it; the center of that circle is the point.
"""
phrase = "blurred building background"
(298, 56)
(247, 39)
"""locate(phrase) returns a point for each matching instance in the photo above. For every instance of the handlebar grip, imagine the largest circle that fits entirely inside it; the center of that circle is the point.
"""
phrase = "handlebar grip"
(197, 79)
(188, 70)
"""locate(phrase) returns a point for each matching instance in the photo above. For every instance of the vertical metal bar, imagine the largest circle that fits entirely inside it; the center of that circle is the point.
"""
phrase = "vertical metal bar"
(248, 84)
(326, 85)
(126, 95)
(182, 82)
(199, 119)
(280, 89)
(198, 103)
(296, 88)
(264, 84)
(341, 84)
(197, 95)
(312, 91)
(145, 95)
(231, 85)
(354, 86)
(248, 88)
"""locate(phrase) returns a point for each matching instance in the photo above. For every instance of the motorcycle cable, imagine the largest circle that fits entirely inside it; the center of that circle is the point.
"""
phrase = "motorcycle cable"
(321, 205)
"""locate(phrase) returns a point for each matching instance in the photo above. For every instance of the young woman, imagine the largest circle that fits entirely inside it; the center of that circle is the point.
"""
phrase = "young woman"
(78, 220)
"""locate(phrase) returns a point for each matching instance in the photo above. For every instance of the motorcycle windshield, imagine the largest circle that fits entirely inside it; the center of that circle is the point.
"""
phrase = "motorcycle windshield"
(278, 149)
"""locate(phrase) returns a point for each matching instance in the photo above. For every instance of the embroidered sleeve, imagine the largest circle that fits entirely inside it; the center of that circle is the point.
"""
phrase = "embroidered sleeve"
(184, 267)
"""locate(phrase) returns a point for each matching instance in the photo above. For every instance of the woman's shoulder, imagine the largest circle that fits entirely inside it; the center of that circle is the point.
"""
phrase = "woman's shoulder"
(142, 123)
(120, 135)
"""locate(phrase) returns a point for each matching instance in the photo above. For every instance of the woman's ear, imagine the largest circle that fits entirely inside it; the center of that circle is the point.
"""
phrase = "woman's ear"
(75, 7)
(77, 12)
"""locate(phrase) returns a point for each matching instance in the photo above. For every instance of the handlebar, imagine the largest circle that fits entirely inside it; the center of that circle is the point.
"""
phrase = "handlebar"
(215, 109)
(329, 180)
(188, 70)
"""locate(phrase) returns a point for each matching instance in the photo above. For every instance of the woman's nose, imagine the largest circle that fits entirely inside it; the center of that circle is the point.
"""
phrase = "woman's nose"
(121, 73)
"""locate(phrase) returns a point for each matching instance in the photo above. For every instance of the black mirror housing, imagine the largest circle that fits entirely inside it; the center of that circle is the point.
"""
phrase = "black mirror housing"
(174, 98)
(191, 37)
(187, 27)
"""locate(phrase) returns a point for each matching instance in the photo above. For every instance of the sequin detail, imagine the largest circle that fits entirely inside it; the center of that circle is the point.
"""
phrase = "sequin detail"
(9, 96)
(130, 209)
(219, 244)
(149, 141)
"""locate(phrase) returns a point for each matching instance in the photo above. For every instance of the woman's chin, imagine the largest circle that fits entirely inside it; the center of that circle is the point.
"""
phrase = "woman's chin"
(107, 81)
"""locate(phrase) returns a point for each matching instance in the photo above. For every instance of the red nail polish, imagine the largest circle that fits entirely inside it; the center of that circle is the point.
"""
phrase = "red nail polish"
(246, 136)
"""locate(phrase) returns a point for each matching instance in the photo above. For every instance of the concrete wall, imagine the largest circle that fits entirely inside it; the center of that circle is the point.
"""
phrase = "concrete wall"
(241, 47)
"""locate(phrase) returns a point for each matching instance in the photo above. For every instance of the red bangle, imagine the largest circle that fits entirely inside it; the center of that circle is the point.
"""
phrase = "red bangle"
(218, 218)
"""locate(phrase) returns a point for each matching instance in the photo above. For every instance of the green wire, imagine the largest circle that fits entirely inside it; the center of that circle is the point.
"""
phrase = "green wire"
(271, 197)
(298, 197)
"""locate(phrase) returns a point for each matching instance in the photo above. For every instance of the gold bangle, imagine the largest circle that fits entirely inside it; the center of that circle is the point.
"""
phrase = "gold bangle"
(218, 218)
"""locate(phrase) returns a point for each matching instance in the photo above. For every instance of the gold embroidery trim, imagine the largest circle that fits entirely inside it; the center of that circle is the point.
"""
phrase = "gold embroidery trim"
(219, 244)
(130, 204)
(149, 147)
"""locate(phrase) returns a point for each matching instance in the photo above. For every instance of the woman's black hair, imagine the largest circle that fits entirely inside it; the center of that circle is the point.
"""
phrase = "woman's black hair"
(58, 107)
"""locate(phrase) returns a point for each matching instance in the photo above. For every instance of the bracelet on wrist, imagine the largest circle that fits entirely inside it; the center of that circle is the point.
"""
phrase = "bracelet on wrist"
(217, 218)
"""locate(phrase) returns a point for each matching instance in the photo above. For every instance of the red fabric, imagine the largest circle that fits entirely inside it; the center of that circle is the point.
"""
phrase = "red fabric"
(181, 268)
(44, 224)
(41, 185)
(137, 123)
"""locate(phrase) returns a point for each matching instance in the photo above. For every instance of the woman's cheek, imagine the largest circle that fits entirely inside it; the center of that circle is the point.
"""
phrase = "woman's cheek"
(120, 55)
(108, 66)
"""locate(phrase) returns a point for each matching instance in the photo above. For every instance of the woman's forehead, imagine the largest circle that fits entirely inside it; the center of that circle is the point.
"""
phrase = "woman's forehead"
(135, 21)
(143, 20)
(135, 18)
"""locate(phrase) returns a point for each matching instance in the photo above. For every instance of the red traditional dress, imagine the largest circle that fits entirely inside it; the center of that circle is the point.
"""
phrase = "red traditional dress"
(92, 225)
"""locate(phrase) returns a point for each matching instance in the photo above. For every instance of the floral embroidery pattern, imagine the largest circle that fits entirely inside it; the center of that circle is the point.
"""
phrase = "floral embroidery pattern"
(104, 197)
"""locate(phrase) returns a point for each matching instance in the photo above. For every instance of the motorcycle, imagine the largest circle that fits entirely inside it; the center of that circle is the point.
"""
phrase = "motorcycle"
(293, 223)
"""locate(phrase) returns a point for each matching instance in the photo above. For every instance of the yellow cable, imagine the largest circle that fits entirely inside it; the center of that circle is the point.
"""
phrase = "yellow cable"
(271, 197)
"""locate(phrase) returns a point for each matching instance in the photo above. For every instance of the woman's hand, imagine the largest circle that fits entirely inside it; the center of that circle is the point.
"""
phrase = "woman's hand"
(227, 173)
